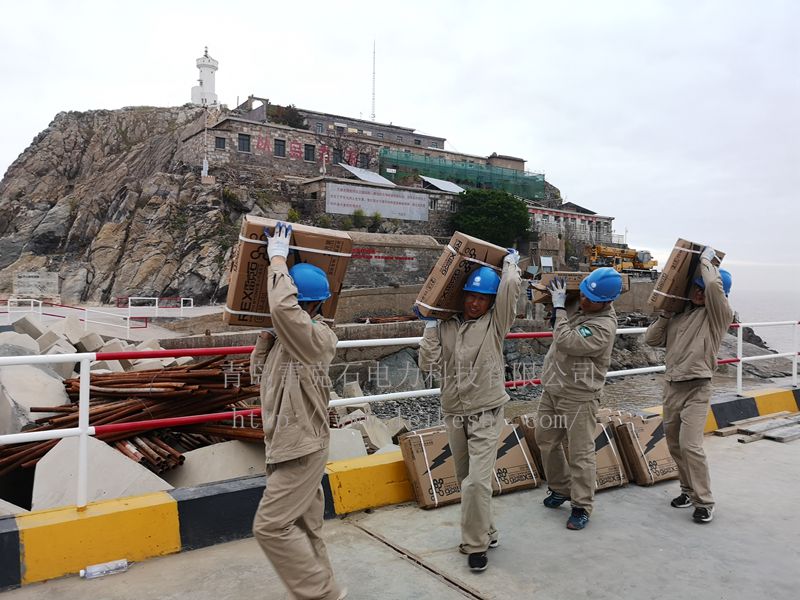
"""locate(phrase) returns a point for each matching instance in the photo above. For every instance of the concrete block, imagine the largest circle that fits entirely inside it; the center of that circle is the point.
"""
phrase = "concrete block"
(23, 340)
(6, 509)
(346, 443)
(389, 448)
(111, 475)
(31, 326)
(118, 346)
(91, 342)
(70, 327)
(112, 366)
(352, 417)
(49, 338)
(366, 408)
(148, 364)
(352, 389)
(397, 426)
(63, 345)
(24, 386)
(218, 462)
(65, 370)
(184, 360)
(167, 362)
(374, 431)
(151, 344)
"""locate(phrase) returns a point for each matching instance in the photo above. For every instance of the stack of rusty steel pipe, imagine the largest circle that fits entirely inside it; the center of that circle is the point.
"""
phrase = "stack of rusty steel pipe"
(210, 386)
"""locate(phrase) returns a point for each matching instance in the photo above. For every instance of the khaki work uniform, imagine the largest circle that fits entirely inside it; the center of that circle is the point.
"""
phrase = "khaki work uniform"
(692, 339)
(468, 355)
(295, 390)
(573, 377)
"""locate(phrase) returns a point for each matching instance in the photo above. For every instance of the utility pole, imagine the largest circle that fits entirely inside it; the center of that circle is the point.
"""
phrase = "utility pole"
(373, 81)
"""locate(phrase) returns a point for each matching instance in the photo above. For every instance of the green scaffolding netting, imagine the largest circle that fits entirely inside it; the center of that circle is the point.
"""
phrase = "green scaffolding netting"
(402, 167)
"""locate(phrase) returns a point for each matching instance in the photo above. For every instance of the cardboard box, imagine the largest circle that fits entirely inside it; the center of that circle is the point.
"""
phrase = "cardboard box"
(247, 303)
(431, 467)
(645, 447)
(442, 294)
(611, 470)
(672, 288)
(573, 279)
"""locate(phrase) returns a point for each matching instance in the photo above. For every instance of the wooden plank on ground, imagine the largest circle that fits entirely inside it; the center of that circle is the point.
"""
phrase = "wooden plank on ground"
(750, 438)
(767, 425)
(784, 434)
(783, 413)
(726, 431)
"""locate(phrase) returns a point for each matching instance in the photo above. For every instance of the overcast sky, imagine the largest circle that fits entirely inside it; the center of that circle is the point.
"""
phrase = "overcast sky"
(679, 118)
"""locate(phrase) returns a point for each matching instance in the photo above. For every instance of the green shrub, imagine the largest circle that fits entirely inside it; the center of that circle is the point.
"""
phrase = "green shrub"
(346, 224)
(359, 218)
(323, 220)
(293, 216)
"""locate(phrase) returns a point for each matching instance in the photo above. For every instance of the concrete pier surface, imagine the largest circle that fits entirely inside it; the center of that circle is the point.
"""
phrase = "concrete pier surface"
(636, 546)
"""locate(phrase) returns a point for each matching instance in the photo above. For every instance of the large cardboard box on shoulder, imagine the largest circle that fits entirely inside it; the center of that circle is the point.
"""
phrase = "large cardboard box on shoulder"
(247, 303)
(442, 295)
(643, 442)
(671, 290)
(573, 280)
(611, 471)
(432, 472)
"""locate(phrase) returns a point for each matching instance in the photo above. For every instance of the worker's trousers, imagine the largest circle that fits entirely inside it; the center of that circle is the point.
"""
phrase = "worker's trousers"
(685, 413)
(573, 419)
(288, 526)
(473, 441)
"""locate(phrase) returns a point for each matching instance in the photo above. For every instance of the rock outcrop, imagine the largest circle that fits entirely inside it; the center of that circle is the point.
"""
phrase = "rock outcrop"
(99, 197)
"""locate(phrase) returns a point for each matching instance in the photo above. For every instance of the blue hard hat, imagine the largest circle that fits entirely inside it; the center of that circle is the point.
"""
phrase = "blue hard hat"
(602, 285)
(727, 281)
(483, 281)
(312, 284)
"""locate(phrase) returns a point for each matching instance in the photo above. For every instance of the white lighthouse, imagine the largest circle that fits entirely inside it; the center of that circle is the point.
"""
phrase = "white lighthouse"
(204, 94)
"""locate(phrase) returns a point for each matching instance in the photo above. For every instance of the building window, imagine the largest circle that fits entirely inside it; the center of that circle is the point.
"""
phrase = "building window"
(337, 156)
(417, 142)
(320, 128)
(244, 142)
(380, 135)
(363, 160)
(280, 148)
(308, 153)
(453, 206)
(399, 138)
(432, 204)
(360, 131)
(219, 143)
(434, 144)
(339, 130)
(407, 151)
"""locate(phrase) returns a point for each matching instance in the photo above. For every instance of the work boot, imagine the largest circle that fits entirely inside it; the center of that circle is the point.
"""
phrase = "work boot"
(478, 561)
(703, 514)
(682, 501)
(554, 499)
(578, 519)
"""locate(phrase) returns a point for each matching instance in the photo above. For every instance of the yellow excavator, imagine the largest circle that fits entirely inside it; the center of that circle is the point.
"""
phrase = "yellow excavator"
(624, 260)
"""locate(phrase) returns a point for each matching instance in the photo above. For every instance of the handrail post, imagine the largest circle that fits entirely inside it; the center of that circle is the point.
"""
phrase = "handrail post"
(739, 365)
(83, 438)
(86, 319)
(796, 347)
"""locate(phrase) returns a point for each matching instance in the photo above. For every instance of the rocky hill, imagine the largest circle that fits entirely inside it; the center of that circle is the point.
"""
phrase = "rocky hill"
(99, 198)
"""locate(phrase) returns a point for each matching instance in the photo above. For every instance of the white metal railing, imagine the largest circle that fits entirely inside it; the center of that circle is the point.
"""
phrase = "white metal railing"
(743, 359)
(33, 306)
(84, 430)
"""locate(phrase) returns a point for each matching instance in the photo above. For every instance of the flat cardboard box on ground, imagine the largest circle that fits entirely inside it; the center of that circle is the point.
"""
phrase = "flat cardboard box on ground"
(432, 472)
(247, 303)
(611, 471)
(645, 448)
(573, 280)
(442, 294)
(672, 288)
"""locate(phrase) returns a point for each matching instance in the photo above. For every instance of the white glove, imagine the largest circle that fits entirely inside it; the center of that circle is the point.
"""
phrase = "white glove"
(558, 292)
(512, 258)
(708, 253)
(278, 243)
(431, 324)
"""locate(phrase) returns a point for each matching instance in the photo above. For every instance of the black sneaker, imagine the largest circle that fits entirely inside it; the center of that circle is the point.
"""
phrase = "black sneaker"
(703, 515)
(682, 501)
(478, 561)
(578, 519)
(554, 499)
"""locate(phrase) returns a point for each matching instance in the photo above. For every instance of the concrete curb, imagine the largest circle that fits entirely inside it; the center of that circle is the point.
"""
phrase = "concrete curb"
(47, 544)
